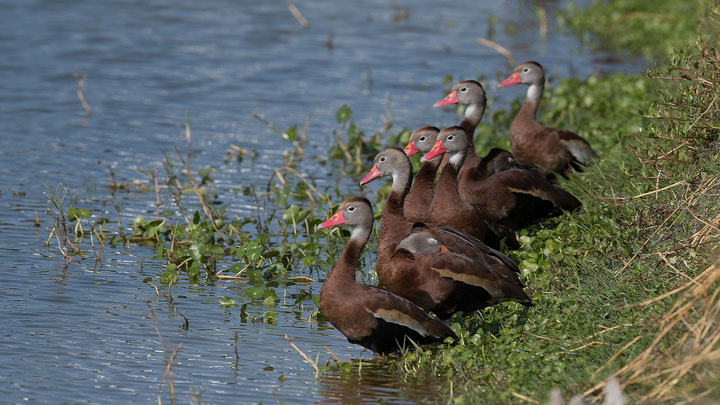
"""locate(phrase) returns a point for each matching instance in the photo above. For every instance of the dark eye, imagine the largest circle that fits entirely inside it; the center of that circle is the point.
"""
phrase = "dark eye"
(382, 159)
(463, 89)
(351, 208)
(526, 70)
(421, 139)
(450, 138)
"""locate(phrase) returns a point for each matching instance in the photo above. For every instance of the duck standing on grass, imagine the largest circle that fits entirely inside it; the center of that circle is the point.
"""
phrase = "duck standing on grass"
(549, 149)
(370, 316)
(469, 277)
(511, 198)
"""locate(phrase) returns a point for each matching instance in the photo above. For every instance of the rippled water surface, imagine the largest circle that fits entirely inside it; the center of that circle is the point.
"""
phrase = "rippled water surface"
(85, 333)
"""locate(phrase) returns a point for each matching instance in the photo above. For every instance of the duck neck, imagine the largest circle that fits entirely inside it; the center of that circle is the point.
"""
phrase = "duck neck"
(393, 224)
(402, 180)
(456, 159)
(348, 261)
(471, 119)
(447, 182)
(346, 265)
(532, 99)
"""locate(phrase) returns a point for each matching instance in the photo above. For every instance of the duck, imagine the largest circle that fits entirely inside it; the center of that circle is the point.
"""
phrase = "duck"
(511, 198)
(370, 316)
(471, 94)
(551, 150)
(447, 206)
(470, 276)
(417, 203)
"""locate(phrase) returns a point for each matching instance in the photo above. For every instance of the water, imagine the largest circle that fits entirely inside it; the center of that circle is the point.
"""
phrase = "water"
(85, 333)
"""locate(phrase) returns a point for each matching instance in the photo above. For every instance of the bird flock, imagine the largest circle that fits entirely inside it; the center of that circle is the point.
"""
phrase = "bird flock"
(442, 230)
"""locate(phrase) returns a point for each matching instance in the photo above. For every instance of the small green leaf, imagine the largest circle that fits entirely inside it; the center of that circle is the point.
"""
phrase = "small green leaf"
(270, 317)
(290, 213)
(254, 292)
(343, 113)
(197, 250)
(72, 214)
(139, 220)
(226, 302)
(292, 132)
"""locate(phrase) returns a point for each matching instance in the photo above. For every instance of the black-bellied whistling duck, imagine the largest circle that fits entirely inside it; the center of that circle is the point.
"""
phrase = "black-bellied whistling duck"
(471, 94)
(370, 316)
(470, 276)
(496, 161)
(513, 198)
(418, 200)
(421, 242)
(550, 149)
(447, 206)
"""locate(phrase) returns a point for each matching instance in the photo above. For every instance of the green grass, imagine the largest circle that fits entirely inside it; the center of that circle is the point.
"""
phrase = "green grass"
(638, 27)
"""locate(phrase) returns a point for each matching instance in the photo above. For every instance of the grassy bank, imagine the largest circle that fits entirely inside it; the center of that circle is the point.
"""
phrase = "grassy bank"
(629, 285)
(638, 27)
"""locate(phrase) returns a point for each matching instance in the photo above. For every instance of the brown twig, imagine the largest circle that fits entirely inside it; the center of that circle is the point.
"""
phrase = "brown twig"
(499, 48)
(282, 133)
(81, 82)
(298, 15)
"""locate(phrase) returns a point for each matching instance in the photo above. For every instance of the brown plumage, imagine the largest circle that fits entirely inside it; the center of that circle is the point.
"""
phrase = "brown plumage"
(418, 200)
(496, 161)
(550, 149)
(447, 206)
(513, 197)
(470, 276)
(369, 316)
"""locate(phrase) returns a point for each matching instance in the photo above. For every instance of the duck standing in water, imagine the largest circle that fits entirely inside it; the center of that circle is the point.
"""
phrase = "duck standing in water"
(370, 316)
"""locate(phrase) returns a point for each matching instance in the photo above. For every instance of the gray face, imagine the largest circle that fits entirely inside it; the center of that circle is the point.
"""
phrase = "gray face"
(453, 140)
(357, 212)
(424, 139)
(469, 92)
(530, 73)
(389, 160)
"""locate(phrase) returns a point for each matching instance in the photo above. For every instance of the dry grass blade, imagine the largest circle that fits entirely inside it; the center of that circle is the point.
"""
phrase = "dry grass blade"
(690, 326)
(694, 195)
(298, 15)
(314, 191)
(499, 48)
(282, 133)
(305, 356)
(524, 398)
(542, 16)
(81, 82)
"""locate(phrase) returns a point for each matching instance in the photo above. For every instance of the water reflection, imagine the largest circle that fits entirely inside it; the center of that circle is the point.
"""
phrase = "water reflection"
(370, 379)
